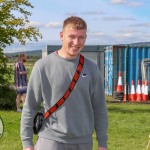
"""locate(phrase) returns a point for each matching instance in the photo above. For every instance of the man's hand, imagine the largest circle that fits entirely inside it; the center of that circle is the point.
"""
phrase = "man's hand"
(31, 148)
(22, 72)
(102, 148)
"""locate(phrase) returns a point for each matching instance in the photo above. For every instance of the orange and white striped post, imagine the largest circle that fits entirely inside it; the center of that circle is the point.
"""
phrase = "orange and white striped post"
(145, 97)
(125, 94)
(143, 89)
(138, 92)
(133, 95)
(120, 86)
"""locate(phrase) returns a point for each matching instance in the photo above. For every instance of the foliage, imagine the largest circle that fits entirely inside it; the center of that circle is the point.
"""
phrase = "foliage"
(5, 71)
(13, 26)
(13, 22)
(7, 98)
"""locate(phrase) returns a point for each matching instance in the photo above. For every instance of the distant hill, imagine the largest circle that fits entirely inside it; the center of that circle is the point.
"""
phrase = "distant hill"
(37, 53)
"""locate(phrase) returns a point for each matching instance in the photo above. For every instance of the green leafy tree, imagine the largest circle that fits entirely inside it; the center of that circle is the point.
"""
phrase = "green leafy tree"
(14, 26)
(5, 71)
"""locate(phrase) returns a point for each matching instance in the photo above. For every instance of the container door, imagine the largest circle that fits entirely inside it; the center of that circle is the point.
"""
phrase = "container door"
(108, 72)
(145, 67)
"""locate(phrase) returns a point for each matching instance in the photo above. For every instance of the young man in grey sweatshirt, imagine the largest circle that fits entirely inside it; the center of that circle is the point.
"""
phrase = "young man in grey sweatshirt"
(73, 124)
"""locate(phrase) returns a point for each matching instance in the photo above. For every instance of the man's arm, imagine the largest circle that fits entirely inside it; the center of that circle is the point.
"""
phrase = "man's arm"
(30, 108)
(100, 113)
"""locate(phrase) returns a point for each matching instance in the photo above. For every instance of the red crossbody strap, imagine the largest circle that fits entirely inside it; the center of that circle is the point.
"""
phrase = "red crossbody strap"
(72, 85)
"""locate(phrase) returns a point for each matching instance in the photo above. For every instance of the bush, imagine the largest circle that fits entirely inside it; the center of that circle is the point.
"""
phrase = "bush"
(5, 70)
(7, 98)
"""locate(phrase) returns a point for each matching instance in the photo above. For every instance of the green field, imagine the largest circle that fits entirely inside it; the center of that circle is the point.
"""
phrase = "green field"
(129, 128)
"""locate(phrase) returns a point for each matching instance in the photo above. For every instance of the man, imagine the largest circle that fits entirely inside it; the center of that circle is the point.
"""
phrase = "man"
(20, 78)
(72, 125)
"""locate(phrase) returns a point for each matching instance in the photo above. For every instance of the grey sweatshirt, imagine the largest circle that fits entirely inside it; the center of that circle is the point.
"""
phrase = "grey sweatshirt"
(85, 109)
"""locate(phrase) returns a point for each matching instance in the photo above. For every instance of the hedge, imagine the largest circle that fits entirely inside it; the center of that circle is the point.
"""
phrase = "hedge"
(7, 98)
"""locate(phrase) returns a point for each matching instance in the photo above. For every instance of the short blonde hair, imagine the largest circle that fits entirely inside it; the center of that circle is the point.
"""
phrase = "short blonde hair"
(76, 22)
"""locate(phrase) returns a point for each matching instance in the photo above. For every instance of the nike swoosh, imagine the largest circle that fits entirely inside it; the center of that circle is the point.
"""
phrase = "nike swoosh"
(84, 75)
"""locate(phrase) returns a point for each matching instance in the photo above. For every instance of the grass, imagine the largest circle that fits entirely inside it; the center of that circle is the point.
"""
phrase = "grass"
(11, 137)
(129, 128)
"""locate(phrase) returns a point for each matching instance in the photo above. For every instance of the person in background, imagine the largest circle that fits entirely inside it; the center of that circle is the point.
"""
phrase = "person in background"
(70, 127)
(20, 78)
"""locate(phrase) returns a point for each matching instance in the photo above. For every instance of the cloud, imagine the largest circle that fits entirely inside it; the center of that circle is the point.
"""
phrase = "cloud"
(53, 25)
(147, 25)
(127, 3)
(127, 38)
(118, 19)
(47, 25)
(71, 14)
(96, 34)
(146, 34)
(118, 1)
(92, 13)
(35, 24)
(129, 30)
(124, 35)
(134, 4)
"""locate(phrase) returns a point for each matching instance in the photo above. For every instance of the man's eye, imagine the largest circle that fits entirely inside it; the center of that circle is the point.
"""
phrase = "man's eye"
(71, 37)
(82, 37)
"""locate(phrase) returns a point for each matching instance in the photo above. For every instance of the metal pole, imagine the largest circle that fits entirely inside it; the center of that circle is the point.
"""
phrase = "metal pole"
(127, 73)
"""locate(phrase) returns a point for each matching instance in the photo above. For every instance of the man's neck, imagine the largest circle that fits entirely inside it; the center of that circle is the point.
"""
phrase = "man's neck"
(66, 55)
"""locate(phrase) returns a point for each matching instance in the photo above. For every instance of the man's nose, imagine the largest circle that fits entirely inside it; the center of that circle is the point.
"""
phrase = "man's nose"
(76, 41)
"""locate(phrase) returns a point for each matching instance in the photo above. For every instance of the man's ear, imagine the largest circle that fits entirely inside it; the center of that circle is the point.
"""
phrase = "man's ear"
(61, 35)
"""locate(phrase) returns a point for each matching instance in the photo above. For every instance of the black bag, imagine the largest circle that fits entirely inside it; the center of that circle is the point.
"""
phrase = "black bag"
(38, 121)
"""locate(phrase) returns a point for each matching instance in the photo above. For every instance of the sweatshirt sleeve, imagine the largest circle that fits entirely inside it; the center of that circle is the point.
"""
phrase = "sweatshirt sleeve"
(100, 112)
(32, 103)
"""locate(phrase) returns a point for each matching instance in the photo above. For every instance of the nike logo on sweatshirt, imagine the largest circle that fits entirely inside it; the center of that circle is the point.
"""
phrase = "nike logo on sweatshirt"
(84, 75)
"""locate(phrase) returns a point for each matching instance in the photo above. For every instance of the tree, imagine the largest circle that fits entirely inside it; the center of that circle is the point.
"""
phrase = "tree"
(13, 26)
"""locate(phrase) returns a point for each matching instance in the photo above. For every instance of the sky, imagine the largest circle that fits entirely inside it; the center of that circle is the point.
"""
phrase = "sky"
(109, 22)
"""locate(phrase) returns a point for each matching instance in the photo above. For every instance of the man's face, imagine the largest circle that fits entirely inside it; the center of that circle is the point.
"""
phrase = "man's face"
(24, 59)
(72, 40)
